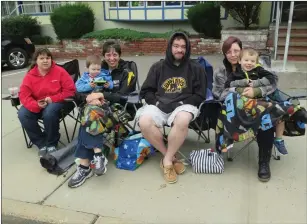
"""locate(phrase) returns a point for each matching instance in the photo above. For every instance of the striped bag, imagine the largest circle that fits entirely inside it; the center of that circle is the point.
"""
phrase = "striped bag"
(206, 161)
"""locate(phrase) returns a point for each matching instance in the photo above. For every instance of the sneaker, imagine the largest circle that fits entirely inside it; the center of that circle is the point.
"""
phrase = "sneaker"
(280, 145)
(100, 165)
(42, 151)
(169, 173)
(80, 177)
(179, 167)
(51, 149)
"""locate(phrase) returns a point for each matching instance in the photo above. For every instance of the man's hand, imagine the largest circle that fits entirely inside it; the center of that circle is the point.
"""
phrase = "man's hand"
(248, 92)
(48, 100)
(94, 96)
(106, 85)
(42, 103)
(93, 85)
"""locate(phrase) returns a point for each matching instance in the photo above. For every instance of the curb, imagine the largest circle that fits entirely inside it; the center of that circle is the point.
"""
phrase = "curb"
(43, 213)
(48, 214)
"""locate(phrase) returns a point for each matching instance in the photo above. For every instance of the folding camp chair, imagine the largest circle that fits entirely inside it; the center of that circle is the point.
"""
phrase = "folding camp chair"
(72, 67)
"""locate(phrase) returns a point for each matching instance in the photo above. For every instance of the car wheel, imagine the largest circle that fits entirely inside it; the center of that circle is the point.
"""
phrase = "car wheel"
(17, 58)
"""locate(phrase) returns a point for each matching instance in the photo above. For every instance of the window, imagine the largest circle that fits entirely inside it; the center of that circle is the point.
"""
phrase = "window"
(48, 6)
(123, 4)
(8, 7)
(172, 3)
(112, 4)
(188, 3)
(137, 4)
(154, 3)
(39, 6)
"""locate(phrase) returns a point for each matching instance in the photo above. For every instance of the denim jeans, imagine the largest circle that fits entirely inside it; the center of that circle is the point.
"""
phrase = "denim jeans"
(87, 143)
(50, 116)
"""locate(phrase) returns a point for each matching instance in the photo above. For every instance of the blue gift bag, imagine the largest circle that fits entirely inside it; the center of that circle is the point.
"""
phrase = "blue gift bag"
(132, 152)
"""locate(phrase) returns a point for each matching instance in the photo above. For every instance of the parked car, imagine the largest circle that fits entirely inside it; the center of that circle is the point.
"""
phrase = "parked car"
(16, 51)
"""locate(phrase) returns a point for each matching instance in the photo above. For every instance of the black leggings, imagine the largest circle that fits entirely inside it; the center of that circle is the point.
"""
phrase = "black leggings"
(265, 139)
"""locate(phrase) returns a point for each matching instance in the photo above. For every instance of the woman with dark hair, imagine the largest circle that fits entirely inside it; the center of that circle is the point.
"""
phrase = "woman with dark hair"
(90, 148)
(42, 95)
(250, 112)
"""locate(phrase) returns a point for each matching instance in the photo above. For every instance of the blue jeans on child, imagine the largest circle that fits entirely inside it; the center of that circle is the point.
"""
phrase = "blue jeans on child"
(86, 144)
(50, 116)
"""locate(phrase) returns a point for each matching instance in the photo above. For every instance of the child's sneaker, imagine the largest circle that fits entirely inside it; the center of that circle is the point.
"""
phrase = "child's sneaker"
(280, 145)
(80, 177)
(100, 165)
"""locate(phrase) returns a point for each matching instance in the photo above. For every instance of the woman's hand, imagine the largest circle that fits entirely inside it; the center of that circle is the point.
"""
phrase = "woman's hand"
(94, 96)
(248, 92)
(250, 83)
(48, 100)
(42, 104)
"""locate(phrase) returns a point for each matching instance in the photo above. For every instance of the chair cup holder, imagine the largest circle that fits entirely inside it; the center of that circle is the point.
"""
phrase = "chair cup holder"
(15, 102)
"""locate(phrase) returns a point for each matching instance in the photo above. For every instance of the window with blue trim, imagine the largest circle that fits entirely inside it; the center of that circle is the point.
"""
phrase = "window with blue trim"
(123, 4)
(172, 3)
(112, 4)
(137, 4)
(154, 4)
(190, 3)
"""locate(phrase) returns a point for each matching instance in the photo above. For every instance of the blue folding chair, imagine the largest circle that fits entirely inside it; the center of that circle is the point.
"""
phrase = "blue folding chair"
(209, 109)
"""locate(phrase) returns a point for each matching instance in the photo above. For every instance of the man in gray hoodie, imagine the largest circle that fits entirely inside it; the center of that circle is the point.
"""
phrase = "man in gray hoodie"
(173, 90)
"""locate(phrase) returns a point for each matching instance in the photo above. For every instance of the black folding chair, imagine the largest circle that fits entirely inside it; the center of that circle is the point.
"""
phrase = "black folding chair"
(72, 67)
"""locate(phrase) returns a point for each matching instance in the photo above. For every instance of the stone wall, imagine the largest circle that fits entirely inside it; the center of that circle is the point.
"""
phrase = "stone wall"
(85, 47)
(250, 38)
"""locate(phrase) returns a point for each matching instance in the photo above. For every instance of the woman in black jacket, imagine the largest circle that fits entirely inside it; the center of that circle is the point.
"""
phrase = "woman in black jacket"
(90, 146)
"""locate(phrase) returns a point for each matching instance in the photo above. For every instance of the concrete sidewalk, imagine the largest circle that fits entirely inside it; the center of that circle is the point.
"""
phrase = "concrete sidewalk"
(142, 196)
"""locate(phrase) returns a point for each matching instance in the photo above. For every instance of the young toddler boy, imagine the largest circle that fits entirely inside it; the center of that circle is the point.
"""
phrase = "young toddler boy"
(249, 73)
(94, 74)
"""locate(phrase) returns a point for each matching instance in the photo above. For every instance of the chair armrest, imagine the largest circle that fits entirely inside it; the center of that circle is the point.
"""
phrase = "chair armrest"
(69, 99)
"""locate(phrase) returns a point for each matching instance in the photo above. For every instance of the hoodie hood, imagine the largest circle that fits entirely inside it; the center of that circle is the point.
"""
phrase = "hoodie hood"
(169, 58)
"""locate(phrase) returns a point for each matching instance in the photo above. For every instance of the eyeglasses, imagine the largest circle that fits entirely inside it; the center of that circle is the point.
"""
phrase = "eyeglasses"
(178, 46)
(233, 52)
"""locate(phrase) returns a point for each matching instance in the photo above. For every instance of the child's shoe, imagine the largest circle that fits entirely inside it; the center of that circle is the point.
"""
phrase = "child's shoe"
(280, 145)
(99, 164)
(80, 177)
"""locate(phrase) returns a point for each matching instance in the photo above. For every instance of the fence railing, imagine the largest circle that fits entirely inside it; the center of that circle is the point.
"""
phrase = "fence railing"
(35, 8)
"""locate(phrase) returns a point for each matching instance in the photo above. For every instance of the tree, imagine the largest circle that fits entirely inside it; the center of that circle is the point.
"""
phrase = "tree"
(205, 19)
(246, 13)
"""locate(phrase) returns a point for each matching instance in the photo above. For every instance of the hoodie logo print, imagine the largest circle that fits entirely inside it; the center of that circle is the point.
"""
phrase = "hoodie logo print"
(174, 85)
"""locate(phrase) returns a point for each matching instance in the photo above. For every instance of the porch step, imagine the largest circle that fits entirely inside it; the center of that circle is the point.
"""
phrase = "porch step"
(294, 35)
(303, 30)
(293, 52)
(293, 57)
(293, 49)
(296, 25)
(294, 39)
(293, 43)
